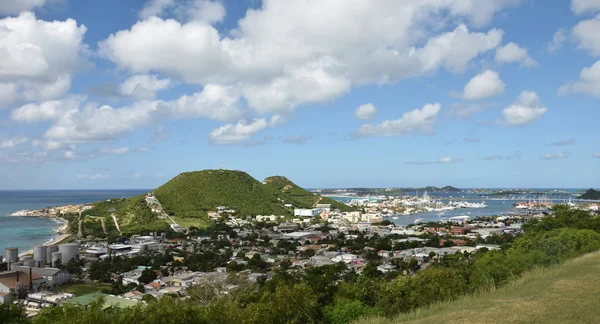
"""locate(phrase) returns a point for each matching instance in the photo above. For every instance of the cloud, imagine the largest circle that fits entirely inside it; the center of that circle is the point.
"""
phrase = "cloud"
(484, 85)
(588, 83)
(558, 41)
(555, 156)
(114, 150)
(524, 110)
(88, 122)
(37, 58)
(512, 53)
(278, 69)
(298, 139)
(584, 6)
(418, 162)
(46, 111)
(95, 176)
(9, 143)
(69, 155)
(596, 155)
(471, 139)
(143, 86)
(11, 7)
(450, 160)
(570, 141)
(237, 133)
(155, 8)
(365, 112)
(415, 121)
(586, 34)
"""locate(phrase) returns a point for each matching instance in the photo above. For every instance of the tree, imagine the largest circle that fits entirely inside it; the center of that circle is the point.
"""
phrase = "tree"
(148, 275)
(149, 298)
(346, 311)
(12, 313)
(164, 272)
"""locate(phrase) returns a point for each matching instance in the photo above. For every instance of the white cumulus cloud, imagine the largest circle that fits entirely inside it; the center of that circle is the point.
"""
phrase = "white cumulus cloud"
(365, 112)
(45, 111)
(237, 133)
(484, 85)
(143, 86)
(12, 142)
(38, 58)
(588, 83)
(524, 110)
(323, 50)
(558, 40)
(586, 34)
(415, 121)
(583, 6)
(512, 53)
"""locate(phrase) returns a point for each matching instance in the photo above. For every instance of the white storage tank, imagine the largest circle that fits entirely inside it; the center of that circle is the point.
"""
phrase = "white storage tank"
(56, 256)
(12, 254)
(40, 253)
(49, 250)
(29, 263)
(69, 251)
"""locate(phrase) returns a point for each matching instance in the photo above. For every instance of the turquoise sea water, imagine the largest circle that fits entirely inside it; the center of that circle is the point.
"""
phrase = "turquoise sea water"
(26, 232)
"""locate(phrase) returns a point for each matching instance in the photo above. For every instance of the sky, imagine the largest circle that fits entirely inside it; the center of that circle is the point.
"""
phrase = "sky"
(329, 93)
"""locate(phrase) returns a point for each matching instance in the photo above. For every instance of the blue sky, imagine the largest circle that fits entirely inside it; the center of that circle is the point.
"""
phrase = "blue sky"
(127, 94)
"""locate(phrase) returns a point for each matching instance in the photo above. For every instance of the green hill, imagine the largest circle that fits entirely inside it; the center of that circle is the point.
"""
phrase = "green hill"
(591, 195)
(567, 293)
(293, 194)
(193, 194)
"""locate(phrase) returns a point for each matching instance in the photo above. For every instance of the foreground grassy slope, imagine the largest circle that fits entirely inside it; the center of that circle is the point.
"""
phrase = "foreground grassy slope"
(567, 293)
(297, 196)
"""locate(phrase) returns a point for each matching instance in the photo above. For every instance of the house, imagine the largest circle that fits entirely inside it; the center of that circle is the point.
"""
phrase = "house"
(153, 286)
(384, 254)
(306, 212)
(458, 230)
(323, 207)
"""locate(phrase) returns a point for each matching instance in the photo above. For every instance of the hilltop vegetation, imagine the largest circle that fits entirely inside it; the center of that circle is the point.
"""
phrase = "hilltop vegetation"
(293, 194)
(193, 194)
(591, 195)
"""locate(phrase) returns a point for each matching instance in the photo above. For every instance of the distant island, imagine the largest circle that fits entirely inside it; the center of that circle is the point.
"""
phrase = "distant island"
(591, 195)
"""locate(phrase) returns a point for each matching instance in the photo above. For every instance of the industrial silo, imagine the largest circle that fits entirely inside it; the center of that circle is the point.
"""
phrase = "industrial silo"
(40, 254)
(69, 251)
(29, 263)
(56, 256)
(49, 250)
(12, 254)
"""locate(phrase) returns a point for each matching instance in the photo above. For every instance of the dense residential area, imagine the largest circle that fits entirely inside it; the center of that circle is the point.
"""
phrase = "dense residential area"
(321, 256)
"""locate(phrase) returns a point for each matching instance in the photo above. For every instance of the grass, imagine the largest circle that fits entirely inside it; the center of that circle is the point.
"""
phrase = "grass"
(567, 293)
(80, 289)
(187, 222)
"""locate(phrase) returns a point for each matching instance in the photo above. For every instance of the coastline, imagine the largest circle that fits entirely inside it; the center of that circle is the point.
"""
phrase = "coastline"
(56, 238)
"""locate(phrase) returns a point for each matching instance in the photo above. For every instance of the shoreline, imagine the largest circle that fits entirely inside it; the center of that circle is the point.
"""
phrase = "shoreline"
(56, 238)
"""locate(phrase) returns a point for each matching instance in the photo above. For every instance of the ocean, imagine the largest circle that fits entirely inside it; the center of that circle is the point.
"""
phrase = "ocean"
(26, 232)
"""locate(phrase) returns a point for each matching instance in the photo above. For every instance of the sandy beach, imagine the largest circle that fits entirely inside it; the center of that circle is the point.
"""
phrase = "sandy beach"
(57, 238)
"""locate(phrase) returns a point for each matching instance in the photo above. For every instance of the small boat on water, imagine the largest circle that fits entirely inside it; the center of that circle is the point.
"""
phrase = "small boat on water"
(418, 221)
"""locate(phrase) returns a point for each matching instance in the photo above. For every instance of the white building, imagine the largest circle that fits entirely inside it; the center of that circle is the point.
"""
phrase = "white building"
(306, 212)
